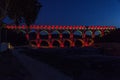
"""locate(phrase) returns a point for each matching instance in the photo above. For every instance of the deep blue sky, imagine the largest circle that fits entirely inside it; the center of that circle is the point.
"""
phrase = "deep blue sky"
(79, 12)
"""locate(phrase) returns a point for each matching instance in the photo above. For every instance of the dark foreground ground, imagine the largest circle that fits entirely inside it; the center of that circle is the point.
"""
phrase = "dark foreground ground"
(59, 64)
(11, 68)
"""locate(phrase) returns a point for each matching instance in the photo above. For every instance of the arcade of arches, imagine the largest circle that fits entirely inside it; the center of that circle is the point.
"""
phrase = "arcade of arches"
(65, 36)
(63, 39)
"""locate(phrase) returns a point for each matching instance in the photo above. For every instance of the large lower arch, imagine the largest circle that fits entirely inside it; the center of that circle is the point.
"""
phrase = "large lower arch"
(44, 34)
(67, 43)
(77, 34)
(44, 44)
(55, 34)
(79, 43)
(66, 34)
(56, 43)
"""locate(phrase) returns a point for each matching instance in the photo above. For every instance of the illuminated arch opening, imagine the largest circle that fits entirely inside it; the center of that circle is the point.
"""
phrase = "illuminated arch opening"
(88, 34)
(67, 43)
(66, 34)
(98, 33)
(79, 43)
(106, 32)
(55, 34)
(44, 44)
(77, 34)
(44, 34)
(56, 43)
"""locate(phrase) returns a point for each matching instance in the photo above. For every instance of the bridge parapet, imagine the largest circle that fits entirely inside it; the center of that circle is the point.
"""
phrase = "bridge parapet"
(47, 27)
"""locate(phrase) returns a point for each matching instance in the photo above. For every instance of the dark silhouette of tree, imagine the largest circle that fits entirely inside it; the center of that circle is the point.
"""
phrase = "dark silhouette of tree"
(21, 11)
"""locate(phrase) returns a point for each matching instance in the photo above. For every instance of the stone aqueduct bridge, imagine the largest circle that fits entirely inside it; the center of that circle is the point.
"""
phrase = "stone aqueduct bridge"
(62, 36)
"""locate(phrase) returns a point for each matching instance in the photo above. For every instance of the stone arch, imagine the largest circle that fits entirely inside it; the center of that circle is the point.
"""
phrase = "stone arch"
(77, 34)
(79, 43)
(67, 43)
(22, 31)
(98, 33)
(55, 34)
(32, 31)
(90, 42)
(89, 33)
(44, 44)
(56, 43)
(33, 43)
(66, 34)
(44, 34)
(32, 35)
(106, 32)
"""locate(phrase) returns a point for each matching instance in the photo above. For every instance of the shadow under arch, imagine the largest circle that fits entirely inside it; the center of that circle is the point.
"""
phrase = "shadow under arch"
(44, 34)
(55, 34)
(56, 43)
(66, 34)
(77, 34)
(32, 34)
(79, 43)
(89, 33)
(44, 44)
(67, 43)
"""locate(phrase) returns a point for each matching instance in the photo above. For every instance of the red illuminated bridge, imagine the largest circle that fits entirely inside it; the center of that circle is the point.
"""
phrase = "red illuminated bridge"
(62, 36)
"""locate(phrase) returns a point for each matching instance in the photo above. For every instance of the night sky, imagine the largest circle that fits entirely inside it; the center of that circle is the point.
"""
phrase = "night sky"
(79, 12)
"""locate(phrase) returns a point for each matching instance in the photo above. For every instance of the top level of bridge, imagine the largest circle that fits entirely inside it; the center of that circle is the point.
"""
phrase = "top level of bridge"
(56, 27)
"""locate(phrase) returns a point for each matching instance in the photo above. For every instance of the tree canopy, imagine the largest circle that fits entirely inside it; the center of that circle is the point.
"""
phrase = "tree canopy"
(21, 11)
